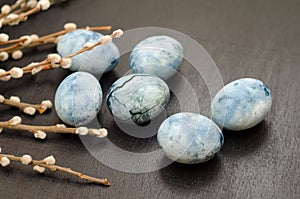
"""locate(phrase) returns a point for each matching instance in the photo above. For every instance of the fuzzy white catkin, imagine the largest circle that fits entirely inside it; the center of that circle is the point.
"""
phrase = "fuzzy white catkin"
(2, 98)
(29, 110)
(4, 161)
(49, 160)
(12, 16)
(31, 3)
(40, 135)
(4, 37)
(15, 121)
(88, 45)
(82, 131)
(54, 65)
(13, 19)
(66, 63)
(34, 37)
(5, 78)
(2, 71)
(104, 132)
(44, 4)
(70, 26)
(18, 54)
(39, 169)
(37, 70)
(118, 33)
(54, 58)
(27, 40)
(16, 72)
(15, 99)
(4, 56)
(47, 104)
(106, 39)
(5, 9)
(61, 126)
(100, 133)
(26, 159)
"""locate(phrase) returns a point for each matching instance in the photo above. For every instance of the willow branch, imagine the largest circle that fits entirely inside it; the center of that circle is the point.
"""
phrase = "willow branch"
(27, 108)
(40, 131)
(48, 163)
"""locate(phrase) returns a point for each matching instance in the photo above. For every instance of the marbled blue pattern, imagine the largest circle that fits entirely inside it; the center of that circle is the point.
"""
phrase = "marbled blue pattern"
(190, 138)
(78, 99)
(137, 98)
(241, 104)
(159, 55)
(102, 58)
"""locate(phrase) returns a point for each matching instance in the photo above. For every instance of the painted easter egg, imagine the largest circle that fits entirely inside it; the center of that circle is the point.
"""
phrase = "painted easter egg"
(137, 98)
(158, 55)
(78, 99)
(241, 104)
(190, 138)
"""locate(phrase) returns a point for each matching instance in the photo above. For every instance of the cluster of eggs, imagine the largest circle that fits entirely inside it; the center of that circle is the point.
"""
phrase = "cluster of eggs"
(139, 97)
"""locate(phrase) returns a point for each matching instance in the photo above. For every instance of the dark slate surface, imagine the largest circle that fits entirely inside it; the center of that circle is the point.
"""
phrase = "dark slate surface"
(245, 38)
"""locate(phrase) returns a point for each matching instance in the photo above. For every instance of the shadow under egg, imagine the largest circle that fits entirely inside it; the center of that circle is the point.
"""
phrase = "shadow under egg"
(241, 143)
(194, 176)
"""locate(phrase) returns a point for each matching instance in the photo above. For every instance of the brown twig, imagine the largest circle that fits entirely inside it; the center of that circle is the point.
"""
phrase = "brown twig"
(40, 131)
(26, 107)
(49, 163)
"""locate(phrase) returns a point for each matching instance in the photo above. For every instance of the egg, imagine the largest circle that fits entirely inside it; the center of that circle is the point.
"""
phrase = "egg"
(137, 98)
(241, 104)
(190, 138)
(158, 55)
(78, 99)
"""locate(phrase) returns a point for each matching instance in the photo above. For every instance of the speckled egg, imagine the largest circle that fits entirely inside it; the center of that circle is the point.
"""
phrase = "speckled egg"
(78, 99)
(190, 138)
(137, 98)
(159, 55)
(241, 104)
(102, 58)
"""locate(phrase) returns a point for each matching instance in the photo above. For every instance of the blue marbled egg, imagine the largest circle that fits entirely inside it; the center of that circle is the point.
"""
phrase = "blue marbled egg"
(78, 99)
(190, 138)
(241, 104)
(159, 55)
(137, 98)
(102, 58)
